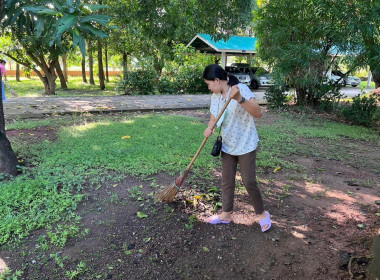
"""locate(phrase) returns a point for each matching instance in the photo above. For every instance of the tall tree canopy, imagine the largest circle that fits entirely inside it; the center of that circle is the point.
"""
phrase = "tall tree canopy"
(153, 27)
(301, 39)
(47, 29)
(41, 31)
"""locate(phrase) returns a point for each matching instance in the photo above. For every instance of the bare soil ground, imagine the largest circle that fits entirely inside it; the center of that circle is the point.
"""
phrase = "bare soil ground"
(315, 211)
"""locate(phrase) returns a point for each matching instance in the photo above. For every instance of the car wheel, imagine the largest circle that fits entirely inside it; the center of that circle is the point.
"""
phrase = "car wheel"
(254, 84)
(354, 85)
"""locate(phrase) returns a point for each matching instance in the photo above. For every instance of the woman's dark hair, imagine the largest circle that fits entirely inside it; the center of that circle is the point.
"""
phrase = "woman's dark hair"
(215, 71)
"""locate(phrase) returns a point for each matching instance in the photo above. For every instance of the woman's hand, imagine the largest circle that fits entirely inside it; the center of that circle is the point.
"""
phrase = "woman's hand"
(208, 132)
(235, 93)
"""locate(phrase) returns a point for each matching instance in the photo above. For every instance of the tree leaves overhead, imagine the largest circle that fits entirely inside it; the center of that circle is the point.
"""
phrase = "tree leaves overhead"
(152, 28)
(302, 39)
(51, 23)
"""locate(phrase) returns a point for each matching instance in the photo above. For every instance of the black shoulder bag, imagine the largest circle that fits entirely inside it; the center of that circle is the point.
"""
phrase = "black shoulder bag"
(217, 146)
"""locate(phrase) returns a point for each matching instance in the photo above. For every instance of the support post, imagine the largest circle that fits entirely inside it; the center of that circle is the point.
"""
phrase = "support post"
(224, 60)
(250, 59)
(369, 80)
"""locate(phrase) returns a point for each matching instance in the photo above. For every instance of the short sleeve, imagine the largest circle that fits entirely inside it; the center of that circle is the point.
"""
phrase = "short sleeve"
(214, 104)
(246, 92)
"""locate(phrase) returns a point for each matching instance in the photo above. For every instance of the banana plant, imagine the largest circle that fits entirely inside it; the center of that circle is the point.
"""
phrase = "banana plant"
(44, 30)
(56, 23)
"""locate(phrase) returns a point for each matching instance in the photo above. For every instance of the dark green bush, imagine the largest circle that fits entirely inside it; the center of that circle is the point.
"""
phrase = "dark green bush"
(327, 97)
(139, 82)
(362, 110)
(276, 97)
(167, 86)
(191, 80)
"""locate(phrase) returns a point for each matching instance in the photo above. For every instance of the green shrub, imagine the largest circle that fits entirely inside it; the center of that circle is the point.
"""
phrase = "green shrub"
(191, 80)
(276, 97)
(185, 71)
(328, 97)
(139, 82)
(167, 86)
(362, 110)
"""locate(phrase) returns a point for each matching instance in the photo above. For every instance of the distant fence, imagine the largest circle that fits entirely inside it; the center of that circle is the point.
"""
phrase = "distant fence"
(71, 73)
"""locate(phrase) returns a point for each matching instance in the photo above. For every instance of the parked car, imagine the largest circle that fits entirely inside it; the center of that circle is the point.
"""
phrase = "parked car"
(243, 78)
(348, 80)
(259, 76)
(336, 80)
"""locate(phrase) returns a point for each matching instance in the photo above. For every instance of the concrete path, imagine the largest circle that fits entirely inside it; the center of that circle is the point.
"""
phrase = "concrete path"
(29, 107)
(39, 106)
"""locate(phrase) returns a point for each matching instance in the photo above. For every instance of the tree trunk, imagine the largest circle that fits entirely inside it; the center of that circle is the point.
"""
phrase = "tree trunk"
(65, 70)
(84, 78)
(157, 66)
(125, 64)
(301, 96)
(49, 83)
(106, 57)
(18, 72)
(48, 68)
(376, 78)
(2, 118)
(8, 159)
(100, 66)
(61, 75)
(91, 62)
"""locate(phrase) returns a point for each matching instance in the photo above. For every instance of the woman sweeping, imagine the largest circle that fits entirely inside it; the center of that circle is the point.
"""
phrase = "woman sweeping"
(240, 141)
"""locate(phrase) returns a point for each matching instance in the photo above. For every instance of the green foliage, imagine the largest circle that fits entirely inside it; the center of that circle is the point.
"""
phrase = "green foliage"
(9, 275)
(41, 26)
(276, 97)
(149, 29)
(299, 39)
(61, 234)
(42, 31)
(328, 97)
(138, 82)
(192, 220)
(361, 111)
(165, 85)
(185, 73)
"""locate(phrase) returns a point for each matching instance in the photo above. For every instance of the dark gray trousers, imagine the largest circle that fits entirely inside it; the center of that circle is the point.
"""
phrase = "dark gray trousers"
(247, 163)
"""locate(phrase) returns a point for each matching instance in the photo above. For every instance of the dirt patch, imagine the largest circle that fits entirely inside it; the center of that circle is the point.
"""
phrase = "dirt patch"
(323, 215)
(34, 135)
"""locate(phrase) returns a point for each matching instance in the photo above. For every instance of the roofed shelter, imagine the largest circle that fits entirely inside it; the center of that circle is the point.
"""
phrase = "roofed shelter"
(234, 46)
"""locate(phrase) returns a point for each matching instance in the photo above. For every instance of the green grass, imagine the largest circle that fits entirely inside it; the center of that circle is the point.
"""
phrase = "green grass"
(88, 154)
(34, 87)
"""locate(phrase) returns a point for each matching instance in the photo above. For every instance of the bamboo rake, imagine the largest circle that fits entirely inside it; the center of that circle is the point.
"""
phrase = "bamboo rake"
(168, 194)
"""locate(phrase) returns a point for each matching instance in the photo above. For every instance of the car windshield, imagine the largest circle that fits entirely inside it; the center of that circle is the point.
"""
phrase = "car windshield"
(338, 73)
(259, 71)
(232, 70)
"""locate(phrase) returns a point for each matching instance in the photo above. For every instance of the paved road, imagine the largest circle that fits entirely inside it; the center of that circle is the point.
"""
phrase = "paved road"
(350, 91)
(29, 107)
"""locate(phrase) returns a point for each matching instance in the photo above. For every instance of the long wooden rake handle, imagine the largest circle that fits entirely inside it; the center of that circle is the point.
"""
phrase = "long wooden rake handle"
(205, 139)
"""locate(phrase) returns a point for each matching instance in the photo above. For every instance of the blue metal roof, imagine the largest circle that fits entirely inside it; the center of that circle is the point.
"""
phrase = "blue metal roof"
(235, 44)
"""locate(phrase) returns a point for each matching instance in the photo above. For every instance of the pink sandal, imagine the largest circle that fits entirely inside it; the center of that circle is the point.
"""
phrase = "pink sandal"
(266, 222)
(215, 220)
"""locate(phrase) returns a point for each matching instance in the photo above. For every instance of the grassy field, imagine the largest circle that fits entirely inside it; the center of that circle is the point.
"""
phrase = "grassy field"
(34, 87)
(77, 155)
(88, 150)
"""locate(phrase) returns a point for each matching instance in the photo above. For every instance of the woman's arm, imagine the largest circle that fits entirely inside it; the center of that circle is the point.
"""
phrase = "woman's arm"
(251, 106)
(208, 131)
